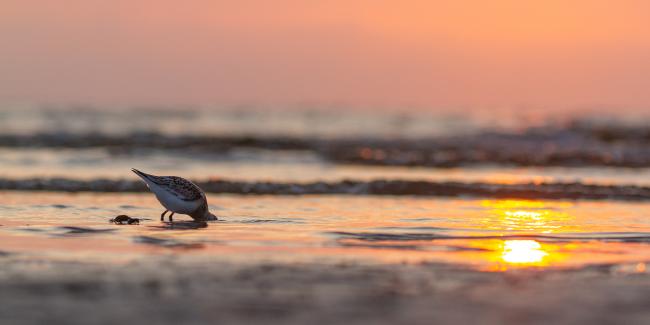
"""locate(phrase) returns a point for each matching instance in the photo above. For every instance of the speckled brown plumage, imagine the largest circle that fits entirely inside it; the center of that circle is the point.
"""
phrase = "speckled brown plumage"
(178, 186)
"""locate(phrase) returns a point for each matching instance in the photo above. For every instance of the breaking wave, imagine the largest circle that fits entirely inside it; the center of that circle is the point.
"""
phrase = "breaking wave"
(571, 191)
(572, 145)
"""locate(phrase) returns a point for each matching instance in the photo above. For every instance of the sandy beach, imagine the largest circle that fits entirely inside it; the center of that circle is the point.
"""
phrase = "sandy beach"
(172, 289)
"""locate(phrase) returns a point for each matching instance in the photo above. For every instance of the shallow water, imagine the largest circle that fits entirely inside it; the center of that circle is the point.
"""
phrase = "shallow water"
(96, 149)
(490, 235)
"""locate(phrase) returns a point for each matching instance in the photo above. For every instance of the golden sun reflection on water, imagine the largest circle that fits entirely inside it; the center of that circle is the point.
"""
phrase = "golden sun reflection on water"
(509, 254)
(523, 252)
(524, 215)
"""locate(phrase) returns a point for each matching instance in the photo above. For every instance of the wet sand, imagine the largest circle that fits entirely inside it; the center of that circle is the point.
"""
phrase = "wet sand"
(175, 290)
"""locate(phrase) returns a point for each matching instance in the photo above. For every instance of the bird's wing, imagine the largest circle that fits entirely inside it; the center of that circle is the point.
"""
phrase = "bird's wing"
(178, 186)
(182, 188)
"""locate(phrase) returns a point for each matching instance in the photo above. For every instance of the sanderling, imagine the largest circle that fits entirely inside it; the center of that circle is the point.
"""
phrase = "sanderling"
(178, 195)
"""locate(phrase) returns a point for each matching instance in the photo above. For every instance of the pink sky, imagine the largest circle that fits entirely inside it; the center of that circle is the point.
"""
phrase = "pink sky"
(388, 54)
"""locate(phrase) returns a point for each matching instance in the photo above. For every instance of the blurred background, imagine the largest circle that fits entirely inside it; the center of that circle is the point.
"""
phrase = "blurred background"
(300, 91)
(501, 57)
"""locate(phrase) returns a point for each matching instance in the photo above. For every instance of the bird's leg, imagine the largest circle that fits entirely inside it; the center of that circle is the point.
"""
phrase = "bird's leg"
(170, 217)
(162, 216)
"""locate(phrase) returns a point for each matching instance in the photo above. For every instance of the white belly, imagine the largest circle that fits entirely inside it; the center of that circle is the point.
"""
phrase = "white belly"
(173, 203)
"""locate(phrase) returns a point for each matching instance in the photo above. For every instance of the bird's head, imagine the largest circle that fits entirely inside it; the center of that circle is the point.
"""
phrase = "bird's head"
(210, 216)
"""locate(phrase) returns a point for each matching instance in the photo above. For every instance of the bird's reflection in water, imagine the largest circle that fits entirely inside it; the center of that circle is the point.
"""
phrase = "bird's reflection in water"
(182, 225)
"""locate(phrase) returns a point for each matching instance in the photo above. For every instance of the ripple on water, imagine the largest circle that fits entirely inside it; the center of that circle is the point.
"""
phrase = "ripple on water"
(129, 207)
(73, 230)
(167, 242)
(287, 220)
(624, 237)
